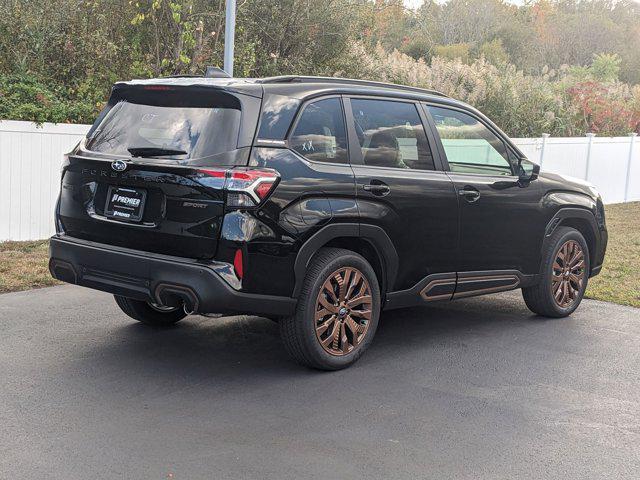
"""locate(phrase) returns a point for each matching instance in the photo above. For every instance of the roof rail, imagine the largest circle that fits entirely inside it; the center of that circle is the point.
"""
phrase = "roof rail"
(349, 81)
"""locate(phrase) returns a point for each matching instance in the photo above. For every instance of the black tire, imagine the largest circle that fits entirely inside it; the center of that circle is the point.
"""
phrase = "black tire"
(298, 332)
(147, 314)
(540, 298)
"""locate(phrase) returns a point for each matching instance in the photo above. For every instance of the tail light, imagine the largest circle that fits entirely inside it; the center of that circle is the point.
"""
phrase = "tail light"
(245, 187)
(249, 187)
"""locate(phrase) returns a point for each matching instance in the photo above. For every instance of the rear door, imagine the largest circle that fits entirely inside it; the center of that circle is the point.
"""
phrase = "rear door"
(498, 214)
(401, 187)
(151, 173)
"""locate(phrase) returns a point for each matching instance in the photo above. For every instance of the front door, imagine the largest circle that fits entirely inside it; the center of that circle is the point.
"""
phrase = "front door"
(498, 214)
(401, 187)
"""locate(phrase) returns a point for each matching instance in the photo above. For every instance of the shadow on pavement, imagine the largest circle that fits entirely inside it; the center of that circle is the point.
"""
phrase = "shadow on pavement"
(246, 347)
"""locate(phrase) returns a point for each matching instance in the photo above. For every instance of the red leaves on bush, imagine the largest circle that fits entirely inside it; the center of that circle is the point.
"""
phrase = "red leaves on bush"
(606, 108)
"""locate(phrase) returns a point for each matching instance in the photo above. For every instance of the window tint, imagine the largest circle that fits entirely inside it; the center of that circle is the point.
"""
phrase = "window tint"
(320, 133)
(171, 120)
(470, 146)
(277, 114)
(391, 134)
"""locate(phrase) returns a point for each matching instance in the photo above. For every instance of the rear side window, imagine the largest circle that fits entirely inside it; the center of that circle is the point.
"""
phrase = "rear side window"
(391, 134)
(320, 133)
(171, 125)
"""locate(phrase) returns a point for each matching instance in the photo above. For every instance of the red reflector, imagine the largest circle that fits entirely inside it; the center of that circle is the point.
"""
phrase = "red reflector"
(263, 189)
(237, 263)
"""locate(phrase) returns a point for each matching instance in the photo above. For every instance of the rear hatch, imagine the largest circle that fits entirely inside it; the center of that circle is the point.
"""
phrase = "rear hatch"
(151, 173)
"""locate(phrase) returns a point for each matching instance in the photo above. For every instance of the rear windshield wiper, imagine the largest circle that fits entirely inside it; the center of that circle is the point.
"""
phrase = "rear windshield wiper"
(153, 151)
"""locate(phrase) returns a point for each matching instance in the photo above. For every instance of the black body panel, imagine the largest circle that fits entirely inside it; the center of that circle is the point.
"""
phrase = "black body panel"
(180, 216)
(156, 278)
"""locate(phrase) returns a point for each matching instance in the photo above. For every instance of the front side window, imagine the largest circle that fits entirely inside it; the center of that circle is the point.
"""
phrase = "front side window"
(391, 134)
(320, 134)
(469, 145)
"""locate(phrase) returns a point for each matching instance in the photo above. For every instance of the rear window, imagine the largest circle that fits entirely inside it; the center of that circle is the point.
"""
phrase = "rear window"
(169, 125)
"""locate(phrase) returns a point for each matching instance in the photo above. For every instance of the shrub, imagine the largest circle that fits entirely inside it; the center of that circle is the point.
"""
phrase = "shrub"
(555, 102)
(25, 97)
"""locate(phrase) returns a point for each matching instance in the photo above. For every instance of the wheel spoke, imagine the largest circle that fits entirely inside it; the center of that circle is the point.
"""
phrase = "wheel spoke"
(324, 326)
(566, 298)
(328, 288)
(333, 336)
(354, 302)
(354, 327)
(578, 265)
(576, 258)
(326, 304)
(344, 284)
(577, 279)
(355, 279)
(366, 314)
(343, 339)
(561, 255)
(323, 312)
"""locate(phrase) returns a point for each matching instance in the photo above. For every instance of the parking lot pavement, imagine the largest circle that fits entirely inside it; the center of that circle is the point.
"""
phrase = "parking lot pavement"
(468, 390)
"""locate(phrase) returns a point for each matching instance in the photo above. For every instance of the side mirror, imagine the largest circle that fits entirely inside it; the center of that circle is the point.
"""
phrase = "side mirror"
(529, 171)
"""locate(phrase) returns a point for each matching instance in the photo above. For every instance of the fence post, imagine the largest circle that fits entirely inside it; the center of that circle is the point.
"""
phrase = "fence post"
(590, 137)
(542, 148)
(629, 160)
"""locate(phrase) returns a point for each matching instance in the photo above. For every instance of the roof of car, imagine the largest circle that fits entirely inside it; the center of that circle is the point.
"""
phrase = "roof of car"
(297, 86)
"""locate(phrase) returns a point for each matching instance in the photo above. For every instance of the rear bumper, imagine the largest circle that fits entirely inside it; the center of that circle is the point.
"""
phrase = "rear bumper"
(156, 278)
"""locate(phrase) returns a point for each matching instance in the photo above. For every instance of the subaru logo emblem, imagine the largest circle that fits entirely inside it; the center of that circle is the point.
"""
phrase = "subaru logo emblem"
(119, 165)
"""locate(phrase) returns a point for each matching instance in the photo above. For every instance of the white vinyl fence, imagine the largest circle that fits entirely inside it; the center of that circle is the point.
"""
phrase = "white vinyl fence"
(30, 159)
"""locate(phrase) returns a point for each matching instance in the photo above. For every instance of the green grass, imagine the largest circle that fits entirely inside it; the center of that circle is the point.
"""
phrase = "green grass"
(619, 281)
(23, 265)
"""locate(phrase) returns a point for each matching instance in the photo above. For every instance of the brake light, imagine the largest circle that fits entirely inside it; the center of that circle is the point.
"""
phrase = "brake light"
(246, 187)
(156, 87)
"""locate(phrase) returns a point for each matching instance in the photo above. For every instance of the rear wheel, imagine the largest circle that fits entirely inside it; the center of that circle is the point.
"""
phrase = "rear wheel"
(150, 313)
(564, 275)
(337, 312)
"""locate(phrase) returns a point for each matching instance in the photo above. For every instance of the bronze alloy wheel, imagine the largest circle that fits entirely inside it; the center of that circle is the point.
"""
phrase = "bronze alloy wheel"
(343, 311)
(568, 274)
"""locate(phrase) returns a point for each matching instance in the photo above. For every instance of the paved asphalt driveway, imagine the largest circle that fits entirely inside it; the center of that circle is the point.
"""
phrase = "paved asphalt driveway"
(471, 390)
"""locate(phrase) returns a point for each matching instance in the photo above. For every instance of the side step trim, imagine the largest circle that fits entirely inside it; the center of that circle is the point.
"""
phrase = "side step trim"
(479, 283)
(437, 286)
(452, 285)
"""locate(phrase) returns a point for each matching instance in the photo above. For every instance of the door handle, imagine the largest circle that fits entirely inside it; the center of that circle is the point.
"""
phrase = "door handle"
(470, 194)
(377, 188)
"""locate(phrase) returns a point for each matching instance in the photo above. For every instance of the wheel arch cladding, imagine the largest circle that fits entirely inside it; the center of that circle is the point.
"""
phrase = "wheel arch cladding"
(370, 241)
(581, 220)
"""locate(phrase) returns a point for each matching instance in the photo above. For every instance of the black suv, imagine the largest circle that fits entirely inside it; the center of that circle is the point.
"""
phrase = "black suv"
(317, 202)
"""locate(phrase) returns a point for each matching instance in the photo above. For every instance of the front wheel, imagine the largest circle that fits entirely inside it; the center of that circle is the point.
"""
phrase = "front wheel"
(564, 275)
(337, 313)
(149, 313)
